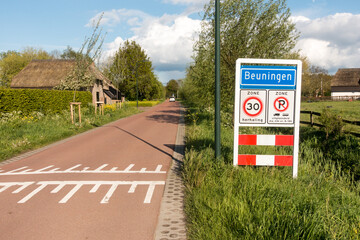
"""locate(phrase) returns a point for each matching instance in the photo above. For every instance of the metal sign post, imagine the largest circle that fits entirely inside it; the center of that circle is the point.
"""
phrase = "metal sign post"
(267, 94)
(217, 80)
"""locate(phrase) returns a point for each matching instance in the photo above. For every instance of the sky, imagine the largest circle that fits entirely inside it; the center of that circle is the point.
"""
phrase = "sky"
(167, 29)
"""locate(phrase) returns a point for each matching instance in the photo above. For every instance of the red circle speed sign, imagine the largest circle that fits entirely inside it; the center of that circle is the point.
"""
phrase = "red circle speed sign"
(253, 106)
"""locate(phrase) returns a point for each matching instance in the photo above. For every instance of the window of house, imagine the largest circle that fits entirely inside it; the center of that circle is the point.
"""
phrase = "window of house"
(97, 96)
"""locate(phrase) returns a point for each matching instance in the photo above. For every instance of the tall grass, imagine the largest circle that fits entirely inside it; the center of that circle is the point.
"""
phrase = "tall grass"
(19, 133)
(226, 202)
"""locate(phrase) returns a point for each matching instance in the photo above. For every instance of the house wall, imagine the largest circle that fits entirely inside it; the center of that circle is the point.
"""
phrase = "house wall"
(107, 99)
(97, 88)
(344, 95)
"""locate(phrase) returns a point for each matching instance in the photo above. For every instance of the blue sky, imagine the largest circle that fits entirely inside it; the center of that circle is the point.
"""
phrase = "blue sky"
(166, 29)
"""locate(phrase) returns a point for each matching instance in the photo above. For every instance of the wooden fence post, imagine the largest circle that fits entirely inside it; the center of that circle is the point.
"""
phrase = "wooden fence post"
(72, 111)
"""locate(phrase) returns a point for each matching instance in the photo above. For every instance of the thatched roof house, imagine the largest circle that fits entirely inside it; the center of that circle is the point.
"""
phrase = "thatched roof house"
(48, 74)
(346, 83)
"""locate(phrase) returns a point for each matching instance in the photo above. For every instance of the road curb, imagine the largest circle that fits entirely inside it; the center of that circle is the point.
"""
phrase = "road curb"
(171, 222)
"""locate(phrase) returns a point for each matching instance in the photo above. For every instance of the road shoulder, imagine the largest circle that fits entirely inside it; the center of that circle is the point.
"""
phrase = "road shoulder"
(171, 222)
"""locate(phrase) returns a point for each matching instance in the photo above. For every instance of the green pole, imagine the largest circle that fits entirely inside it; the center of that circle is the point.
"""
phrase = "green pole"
(137, 90)
(217, 79)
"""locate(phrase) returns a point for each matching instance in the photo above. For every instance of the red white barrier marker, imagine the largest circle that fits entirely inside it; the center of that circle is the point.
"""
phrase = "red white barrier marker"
(265, 160)
(266, 140)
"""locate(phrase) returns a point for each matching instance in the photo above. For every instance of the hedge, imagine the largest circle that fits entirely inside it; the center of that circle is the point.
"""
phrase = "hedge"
(45, 101)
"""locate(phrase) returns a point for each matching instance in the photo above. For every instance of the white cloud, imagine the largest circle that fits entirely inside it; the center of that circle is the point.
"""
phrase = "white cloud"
(187, 2)
(332, 41)
(112, 47)
(119, 16)
(168, 40)
(168, 43)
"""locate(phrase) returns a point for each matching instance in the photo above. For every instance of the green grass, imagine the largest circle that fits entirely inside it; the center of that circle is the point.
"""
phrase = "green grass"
(143, 103)
(347, 110)
(19, 133)
(227, 202)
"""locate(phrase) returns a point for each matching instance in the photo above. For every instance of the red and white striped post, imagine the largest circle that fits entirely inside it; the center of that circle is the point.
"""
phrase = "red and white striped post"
(267, 94)
(266, 140)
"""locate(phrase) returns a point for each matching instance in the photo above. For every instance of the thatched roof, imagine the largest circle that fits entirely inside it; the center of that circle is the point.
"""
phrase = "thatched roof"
(346, 77)
(48, 74)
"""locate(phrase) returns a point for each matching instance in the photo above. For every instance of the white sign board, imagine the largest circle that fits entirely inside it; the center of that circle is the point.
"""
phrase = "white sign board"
(267, 94)
(281, 107)
(252, 106)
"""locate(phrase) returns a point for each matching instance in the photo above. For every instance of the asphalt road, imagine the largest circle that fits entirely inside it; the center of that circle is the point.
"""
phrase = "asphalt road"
(104, 184)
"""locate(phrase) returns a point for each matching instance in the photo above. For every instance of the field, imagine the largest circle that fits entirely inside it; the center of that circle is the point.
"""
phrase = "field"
(227, 202)
(19, 133)
(346, 110)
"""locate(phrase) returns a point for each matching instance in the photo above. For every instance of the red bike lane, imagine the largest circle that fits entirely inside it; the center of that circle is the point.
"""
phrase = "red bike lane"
(104, 184)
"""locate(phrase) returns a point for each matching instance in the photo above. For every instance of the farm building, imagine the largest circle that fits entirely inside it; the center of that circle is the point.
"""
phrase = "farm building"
(346, 84)
(48, 74)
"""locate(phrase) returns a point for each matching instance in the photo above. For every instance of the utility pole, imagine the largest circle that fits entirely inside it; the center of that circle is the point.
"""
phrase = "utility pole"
(217, 79)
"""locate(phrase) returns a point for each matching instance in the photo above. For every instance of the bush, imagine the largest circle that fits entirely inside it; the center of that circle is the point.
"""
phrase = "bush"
(333, 124)
(35, 100)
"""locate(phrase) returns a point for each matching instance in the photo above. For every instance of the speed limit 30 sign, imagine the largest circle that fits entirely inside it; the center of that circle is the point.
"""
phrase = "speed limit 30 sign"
(252, 107)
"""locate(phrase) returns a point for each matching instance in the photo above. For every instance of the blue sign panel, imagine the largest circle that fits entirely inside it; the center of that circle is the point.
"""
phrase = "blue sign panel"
(268, 77)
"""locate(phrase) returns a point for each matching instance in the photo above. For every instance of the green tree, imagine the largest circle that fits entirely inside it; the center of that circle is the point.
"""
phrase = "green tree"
(248, 29)
(81, 77)
(172, 88)
(12, 62)
(316, 82)
(130, 65)
(70, 54)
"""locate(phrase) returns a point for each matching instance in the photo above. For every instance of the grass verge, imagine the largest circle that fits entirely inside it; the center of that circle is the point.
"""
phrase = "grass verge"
(23, 133)
(226, 202)
(143, 103)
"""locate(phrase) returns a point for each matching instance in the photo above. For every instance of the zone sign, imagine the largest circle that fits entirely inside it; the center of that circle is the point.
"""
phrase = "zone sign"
(281, 107)
(253, 107)
(267, 94)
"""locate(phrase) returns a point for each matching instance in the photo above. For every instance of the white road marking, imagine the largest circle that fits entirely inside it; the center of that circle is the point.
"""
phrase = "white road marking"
(109, 193)
(6, 185)
(78, 184)
(24, 185)
(95, 188)
(33, 193)
(128, 168)
(17, 169)
(71, 193)
(72, 168)
(149, 193)
(132, 188)
(42, 169)
(100, 168)
(85, 170)
(59, 185)
(58, 188)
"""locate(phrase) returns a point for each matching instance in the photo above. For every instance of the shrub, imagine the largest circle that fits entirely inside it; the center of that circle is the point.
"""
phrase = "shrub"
(35, 100)
(333, 124)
